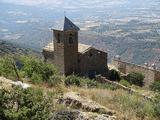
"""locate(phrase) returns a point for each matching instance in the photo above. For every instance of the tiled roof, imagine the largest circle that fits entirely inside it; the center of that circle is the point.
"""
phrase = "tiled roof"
(82, 48)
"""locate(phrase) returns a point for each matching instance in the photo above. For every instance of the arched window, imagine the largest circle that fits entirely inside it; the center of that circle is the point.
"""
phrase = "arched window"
(58, 38)
(70, 39)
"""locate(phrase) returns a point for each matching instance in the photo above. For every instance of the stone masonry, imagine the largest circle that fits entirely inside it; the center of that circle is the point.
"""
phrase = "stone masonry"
(150, 74)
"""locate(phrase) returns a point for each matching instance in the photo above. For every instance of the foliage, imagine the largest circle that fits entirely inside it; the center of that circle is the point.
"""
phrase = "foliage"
(155, 86)
(33, 66)
(8, 68)
(141, 108)
(135, 78)
(25, 104)
(92, 83)
(86, 82)
(125, 83)
(157, 105)
(114, 75)
(54, 80)
(26, 66)
(73, 80)
(80, 81)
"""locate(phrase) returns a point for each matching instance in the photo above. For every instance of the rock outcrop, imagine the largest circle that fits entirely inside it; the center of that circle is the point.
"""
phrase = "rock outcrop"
(81, 108)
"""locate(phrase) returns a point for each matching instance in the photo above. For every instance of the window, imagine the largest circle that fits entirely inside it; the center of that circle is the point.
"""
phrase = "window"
(70, 39)
(79, 61)
(90, 54)
(58, 38)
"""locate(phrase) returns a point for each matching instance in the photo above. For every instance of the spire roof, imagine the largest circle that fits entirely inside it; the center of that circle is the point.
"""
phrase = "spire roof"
(69, 25)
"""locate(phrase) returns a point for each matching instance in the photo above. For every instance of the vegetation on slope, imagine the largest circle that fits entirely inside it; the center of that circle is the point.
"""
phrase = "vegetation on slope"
(25, 104)
(34, 103)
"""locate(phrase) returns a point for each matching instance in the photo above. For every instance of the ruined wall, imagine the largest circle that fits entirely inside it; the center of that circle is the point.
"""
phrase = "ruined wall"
(48, 56)
(150, 74)
(93, 60)
(157, 75)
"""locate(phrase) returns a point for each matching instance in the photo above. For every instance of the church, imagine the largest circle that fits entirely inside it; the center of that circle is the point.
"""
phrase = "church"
(72, 57)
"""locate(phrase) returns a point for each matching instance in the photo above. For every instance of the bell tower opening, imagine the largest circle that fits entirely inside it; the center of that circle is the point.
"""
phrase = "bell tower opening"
(70, 39)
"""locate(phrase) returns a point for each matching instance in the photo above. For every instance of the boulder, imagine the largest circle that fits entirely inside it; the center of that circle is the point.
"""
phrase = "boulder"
(85, 108)
(79, 115)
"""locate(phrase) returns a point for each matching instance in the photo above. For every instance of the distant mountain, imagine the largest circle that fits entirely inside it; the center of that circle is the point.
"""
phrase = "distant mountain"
(125, 27)
(9, 48)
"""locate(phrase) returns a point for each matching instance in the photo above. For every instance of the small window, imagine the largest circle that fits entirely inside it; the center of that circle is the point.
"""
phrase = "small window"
(90, 54)
(58, 38)
(79, 61)
(70, 39)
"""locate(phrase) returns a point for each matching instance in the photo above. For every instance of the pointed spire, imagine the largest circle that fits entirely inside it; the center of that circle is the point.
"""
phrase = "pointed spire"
(69, 25)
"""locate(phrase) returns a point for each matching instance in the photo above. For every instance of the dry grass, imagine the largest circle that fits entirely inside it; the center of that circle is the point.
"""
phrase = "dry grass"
(128, 107)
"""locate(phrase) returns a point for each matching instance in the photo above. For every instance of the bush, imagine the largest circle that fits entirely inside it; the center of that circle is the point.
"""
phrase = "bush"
(25, 104)
(72, 80)
(8, 68)
(36, 78)
(92, 84)
(155, 86)
(135, 78)
(125, 83)
(157, 105)
(26, 66)
(114, 75)
(54, 80)
(143, 109)
(80, 82)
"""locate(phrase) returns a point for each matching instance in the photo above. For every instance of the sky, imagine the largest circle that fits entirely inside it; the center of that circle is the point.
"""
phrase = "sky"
(51, 2)
(28, 2)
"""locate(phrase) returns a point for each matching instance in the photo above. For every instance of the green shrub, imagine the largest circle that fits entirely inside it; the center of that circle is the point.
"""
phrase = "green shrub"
(155, 86)
(25, 104)
(33, 68)
(125, 83)
(135, 78)
(80, 82)
(157, 105)
(72, 80)
(36, 78)
(33, 65)
(142, 108)
(92, 84)
(54, 80)
(114, 75)
(8, 68)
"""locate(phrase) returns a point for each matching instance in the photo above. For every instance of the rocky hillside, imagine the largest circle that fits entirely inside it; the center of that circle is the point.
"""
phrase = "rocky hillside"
(10, 48)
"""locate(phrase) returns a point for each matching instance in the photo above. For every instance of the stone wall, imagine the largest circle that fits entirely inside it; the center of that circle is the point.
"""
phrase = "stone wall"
(93, 60)
(150, 74)
(48, 56)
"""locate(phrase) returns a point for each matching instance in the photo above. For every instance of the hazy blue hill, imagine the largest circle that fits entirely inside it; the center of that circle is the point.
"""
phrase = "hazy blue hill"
(130, 28)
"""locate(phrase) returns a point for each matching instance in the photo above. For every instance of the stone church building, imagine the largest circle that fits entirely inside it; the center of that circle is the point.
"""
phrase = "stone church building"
(72, 57)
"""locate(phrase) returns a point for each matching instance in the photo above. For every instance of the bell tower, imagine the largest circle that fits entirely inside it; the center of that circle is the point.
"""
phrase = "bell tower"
(66, 48)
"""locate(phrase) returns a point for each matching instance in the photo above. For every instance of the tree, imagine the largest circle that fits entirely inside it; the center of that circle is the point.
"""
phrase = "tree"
(72, 80)
(8, 68)
(28, 104)
(135, 78)
(155, 86)
(114, 75)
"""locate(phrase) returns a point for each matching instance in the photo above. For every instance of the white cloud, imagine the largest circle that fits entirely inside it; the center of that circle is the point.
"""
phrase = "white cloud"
(17, 13)
(21, 21)
(4, 30)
